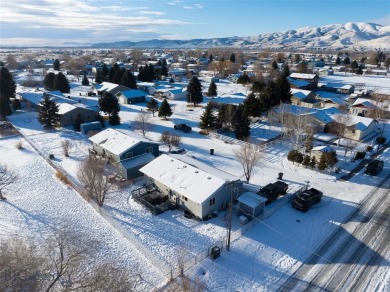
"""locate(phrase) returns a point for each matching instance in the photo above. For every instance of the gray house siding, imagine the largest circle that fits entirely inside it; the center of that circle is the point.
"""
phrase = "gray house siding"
(141, 149)
(69, 118)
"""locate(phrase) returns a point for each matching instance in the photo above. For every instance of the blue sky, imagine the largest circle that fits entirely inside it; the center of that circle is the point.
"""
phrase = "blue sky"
(71, 22)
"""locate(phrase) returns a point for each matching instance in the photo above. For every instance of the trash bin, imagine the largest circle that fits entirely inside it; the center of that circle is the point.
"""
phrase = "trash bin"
(211, 151)
(215, 252)
(280, 175)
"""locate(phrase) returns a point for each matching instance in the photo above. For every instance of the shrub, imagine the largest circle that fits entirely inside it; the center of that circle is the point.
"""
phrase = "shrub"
(299, 157)
(62, 177)
(291, 156)
(369, 148)
(306, 161)
(360, 155)
(19, 145)
(380, 140)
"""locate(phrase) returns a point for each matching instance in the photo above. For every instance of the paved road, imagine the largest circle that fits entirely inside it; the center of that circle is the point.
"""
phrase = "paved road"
(353, 257)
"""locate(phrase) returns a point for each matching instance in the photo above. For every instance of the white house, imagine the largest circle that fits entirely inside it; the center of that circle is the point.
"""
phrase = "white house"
(191, 184)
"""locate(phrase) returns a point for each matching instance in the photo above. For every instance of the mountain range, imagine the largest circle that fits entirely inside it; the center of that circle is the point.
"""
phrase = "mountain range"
(357, 36)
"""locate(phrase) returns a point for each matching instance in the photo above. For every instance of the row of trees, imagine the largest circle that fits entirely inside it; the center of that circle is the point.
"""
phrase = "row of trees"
(57, 81)
(327, 159)
(116, 75)
(7, 91)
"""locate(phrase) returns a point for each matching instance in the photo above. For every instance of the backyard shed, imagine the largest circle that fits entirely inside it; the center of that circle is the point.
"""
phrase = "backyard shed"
(251, 204)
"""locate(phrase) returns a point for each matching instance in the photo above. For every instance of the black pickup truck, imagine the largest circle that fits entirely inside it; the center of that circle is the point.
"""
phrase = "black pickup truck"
(183, 127)
(306, 199)
(272, 191)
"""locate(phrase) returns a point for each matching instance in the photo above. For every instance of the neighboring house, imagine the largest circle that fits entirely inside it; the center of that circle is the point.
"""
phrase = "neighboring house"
(29, 80)
(121, 147)
(331, 99)
(234, 99)
(131, 96)
(35, 97)
(311, 79)
(70, 112)
(109, 87)
(304, 98)
(323, 117)
(319, 150)
(176, 93)
(191, 184)
(337, 87)
(363, 107)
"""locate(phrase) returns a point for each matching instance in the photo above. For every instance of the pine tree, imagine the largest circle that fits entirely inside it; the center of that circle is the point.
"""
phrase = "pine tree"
(240, 123)
(322, 162)
(225, 114)
(108, 103)
(299, 157)
(85, 81)
(128, 80)
(313, 162)
(244, 79)
(338, 60)
(359, 71)
(302, 67)
(274, 65)
(212, 89)
(194, 91)
(165, 110)
(7, 91)
(354, 65)
(207, 119)
(98, 76)
(118, 75)
(48, 112)
(114, 118)
(152, 106)
(211, 58)
(48, 81)
(286, 71)
(233, 58)
(347, 60)
(61, 83)
(269, 97)
(306, 161)
(284, 89)
(257, 87)
(252, 105)
(56, 65)
(292, 155)
(104, 73)
(164, 69)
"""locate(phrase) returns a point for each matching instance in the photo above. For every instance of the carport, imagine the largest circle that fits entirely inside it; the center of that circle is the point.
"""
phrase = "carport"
(251, 204)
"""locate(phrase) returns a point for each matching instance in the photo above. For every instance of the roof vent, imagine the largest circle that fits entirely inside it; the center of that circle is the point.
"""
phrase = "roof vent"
(171, 160)
(209, 177)
(196, 171)
(184, 166)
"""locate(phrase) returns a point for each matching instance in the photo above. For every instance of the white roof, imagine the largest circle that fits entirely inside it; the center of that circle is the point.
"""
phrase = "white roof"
(302, 76)
(251, 199)
(137, 160)
(105, 86)
(63, 108)
(187, 180)
(300, 93)
(115, 141)
(365, 102)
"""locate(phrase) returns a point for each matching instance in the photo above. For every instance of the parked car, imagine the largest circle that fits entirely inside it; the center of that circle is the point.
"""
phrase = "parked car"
(272, 191)
(183, 127)
(306, 199)
(178, 151)
(374, 166)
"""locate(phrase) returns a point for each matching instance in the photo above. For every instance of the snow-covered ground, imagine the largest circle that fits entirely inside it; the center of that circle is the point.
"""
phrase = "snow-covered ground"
(262, 257)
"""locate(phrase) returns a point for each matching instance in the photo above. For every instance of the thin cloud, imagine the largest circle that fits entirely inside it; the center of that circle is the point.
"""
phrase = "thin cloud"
(145, 12)
(195, 6)
(385, 21)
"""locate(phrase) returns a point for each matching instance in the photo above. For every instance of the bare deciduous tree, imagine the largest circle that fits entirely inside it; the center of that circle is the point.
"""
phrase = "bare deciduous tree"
(249, 156)
(91, 175)
(7, 179)
(170, 139)
(339, 125)
(142, 122)
(66, 146)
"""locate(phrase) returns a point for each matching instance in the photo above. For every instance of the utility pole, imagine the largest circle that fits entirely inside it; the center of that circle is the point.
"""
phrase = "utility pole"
(230, 214)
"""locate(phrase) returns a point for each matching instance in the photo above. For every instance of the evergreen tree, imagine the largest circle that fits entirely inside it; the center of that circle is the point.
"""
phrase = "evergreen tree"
(313, 162)
(269, 97)
(165, 110)
(252, 105)
(299, 158)
(207, 119)
(211, 59)
(306, 161)
(152, 106)
(16, 105)
(225, 114)
(240, 123)
(104, 73)
(118, 75)
(151, 73)
(359, 70)
(164, 68)
(286, 71)
(48, 112)
(212, 89)
(48, 81)
(61, 83)
(347, 60)
(233, 58)
(331, 158)
(128, 80)
(244, 79)
(194, 91)
(284, 89)
(7, 91)
(56, 65)
(297, 58)
(354, 65)
(171, 80)
(302, 67)
(338, 60)
(77, 123)
(274, 65)
(322, 162)
(292, 155)
(85, 81)
(114, 118)
(98, 76)
(108, 103)
(257, 87)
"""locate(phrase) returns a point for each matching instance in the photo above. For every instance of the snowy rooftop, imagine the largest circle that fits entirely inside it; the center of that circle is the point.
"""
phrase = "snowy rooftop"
(137, 160)
(300, 93)
(183, 178)
(116, 141)
(302, 76)
(298, 83)
(365, 102)
(251, 199)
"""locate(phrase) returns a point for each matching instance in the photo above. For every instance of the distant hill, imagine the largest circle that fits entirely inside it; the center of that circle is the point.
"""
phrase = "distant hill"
(352, 36)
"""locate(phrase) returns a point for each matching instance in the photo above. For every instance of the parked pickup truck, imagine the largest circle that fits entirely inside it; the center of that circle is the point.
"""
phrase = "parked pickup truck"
(306, 199)
(373, 167)
(272, 191)
(183, 127)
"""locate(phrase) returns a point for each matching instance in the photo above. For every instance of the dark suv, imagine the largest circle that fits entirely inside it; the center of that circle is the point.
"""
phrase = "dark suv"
(306, 199)
(373, 167)
(272, 191)
(182, 127)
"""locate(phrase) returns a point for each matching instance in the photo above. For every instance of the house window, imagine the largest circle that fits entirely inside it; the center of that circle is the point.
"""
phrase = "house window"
(149, 150)
(185, 198)
(353, 131)
(212, 202)
(129, 154)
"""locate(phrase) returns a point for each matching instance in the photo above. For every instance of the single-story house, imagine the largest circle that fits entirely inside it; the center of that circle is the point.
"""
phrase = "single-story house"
(176, 93)
(70, 112)
(319, 150)
(109, 87)
(337, 87)
(312, 79)
(251, 204)
(193, 185)
(30, 80)
(304, 98)
(234, 99)
(331, 99)
(363, 107)
(120, 147)
(131, 96)
(36, 96)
